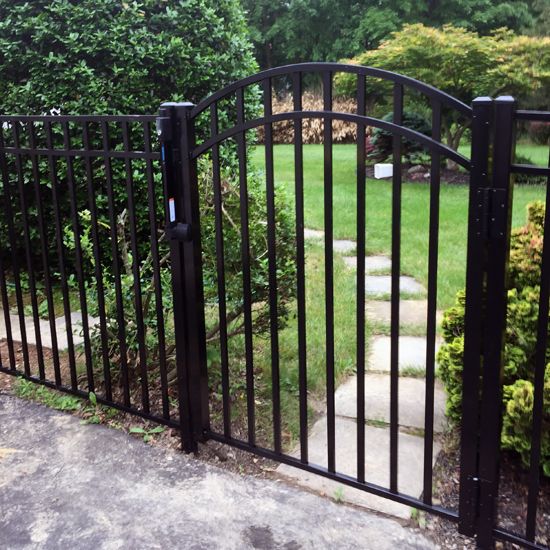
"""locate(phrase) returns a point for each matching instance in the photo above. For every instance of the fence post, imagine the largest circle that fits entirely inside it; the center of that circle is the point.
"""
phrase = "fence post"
(176, 131)
(499, 229)
(482, 108)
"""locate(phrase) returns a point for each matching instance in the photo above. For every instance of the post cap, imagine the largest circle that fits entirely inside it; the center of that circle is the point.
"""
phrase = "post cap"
(482, 100)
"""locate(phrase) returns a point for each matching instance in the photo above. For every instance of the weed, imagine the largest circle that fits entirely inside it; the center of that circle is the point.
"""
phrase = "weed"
(41, 394)
(338, 494)
(148, 434)
(411, 371)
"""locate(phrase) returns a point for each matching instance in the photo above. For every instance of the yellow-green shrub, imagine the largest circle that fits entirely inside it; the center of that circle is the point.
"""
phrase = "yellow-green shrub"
(519, 349)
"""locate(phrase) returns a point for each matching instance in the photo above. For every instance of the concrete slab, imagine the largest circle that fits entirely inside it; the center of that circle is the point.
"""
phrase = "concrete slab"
(61, 329)
(381, 284)
(412, 352)
(372, 263)
(411, 456)
(68, 485)
(343, 246)
(412, 394)
(313, 233)
(411, 312)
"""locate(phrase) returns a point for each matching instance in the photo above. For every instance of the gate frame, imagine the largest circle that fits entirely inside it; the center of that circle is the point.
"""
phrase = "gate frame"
(489, 233)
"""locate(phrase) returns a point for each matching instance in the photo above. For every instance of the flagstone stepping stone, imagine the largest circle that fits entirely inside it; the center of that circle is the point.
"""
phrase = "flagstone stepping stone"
(411, 312)
(372, 263)
(343, 246)
(412, 394)
(377, 464)
(339, 245)
(412, 352)
(381, 284)
(44, 328)
(313, 233)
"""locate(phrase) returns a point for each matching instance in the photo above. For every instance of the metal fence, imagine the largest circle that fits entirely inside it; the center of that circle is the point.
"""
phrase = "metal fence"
(84, 200)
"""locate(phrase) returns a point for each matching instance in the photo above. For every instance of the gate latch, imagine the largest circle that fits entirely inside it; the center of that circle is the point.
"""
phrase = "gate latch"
(491, 213)
(164, 128)
(177, 231)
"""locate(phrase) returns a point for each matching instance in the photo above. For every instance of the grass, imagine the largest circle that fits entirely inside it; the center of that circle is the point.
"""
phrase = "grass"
(537, 153)
(415, 211)
(344, 344)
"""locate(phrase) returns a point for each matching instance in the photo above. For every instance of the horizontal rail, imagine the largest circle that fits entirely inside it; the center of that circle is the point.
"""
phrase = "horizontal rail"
(149, 155)
(506, 536)
(342, 478)
(430, 144)
(78, 118)
(530, 169)
(538, 116)
(426, 89)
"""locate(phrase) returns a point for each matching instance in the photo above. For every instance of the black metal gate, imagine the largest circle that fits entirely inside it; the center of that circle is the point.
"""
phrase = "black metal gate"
(195, 138)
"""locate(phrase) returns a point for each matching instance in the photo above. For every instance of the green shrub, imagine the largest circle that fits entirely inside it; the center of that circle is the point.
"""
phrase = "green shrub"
(527, 179)
(526, 248)
(517, 419)
(519, 348)
(259, 268)
(113, 57)
(379, 144)
(110, 57)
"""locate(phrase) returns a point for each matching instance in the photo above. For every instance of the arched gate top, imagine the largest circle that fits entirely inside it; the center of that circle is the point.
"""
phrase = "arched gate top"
(426, 89)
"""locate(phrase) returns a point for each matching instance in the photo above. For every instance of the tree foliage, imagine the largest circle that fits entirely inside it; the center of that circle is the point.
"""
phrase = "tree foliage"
(106, 56)
(461, 63)
(292, 31)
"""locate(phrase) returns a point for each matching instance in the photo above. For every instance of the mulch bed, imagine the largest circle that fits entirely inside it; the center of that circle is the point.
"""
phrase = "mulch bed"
(423, 174)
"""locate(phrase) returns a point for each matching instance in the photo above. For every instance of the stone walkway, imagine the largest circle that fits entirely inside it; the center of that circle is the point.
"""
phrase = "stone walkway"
(412, 364)
(45, 330)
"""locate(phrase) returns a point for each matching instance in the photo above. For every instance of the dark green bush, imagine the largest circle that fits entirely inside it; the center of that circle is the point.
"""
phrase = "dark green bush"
(113, 57)
(379, 144)
(233, 273)
(519, 349)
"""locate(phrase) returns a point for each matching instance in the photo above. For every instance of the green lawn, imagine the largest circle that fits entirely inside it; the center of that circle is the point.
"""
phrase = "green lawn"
(415, 211)
(345, 339)
(537, 153)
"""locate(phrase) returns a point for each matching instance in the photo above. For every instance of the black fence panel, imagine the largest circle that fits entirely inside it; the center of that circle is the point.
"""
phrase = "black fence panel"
(134, 263)
(85, 272)
(234, 139)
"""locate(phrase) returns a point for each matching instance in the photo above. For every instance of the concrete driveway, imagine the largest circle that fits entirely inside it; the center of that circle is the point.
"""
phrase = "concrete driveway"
(68, 485)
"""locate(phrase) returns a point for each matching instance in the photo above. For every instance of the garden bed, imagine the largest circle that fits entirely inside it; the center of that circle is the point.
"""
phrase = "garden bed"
(422, 173)
(512, 499)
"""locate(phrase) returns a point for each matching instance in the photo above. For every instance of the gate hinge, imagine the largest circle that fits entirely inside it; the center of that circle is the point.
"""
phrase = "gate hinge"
(491, 213)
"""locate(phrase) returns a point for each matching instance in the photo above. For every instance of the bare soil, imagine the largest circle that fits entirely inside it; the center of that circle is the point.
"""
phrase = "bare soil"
(512, 504)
